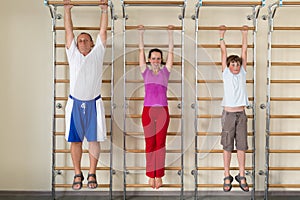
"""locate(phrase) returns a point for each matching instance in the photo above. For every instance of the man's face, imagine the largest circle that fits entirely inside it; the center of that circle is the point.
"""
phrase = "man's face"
(84, 44)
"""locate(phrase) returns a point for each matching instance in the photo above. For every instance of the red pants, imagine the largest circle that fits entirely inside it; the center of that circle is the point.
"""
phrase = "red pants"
(155, 123)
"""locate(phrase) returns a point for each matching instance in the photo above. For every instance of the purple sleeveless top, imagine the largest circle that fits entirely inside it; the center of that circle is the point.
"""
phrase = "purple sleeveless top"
(156, 87)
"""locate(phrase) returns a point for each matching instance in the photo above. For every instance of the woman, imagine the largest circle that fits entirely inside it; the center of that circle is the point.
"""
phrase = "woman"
(155, 116)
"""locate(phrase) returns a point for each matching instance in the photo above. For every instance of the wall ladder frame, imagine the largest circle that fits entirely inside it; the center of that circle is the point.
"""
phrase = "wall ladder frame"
(271, 113)
(128, 134)
(203, 100)
(59, 100)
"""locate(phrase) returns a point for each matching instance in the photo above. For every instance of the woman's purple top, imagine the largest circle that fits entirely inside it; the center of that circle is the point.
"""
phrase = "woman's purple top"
(156, 87)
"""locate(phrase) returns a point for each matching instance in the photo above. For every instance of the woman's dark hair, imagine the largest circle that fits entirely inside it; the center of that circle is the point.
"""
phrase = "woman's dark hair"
(233, 58)
(159, 51)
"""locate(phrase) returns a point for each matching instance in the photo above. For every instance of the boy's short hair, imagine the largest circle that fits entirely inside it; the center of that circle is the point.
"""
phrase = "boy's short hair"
(233, 58)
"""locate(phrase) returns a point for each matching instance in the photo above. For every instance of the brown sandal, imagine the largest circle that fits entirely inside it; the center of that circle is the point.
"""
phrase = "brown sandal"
(77, 182)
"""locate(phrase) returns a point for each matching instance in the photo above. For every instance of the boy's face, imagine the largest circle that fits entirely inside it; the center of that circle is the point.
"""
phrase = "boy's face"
(235, 67)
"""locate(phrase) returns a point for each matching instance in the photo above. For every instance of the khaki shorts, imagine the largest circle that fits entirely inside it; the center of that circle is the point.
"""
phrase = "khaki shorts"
(234, 127)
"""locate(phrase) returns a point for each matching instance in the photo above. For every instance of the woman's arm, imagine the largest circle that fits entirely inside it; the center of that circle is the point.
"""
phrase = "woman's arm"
(170, 58)
(142, 59)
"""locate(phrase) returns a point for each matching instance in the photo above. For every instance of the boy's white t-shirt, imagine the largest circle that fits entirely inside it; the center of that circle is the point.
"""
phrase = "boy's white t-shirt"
(235, 88)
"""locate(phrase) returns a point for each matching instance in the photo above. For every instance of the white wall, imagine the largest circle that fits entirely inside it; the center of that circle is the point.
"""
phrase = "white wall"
(26, 88)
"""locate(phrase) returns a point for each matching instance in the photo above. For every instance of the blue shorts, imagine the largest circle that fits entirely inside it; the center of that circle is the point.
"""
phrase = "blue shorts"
(82, 120)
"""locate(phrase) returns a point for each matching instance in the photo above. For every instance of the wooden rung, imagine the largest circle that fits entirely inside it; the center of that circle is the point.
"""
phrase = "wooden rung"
(81, 28)
(68, 81)
(63, 116)
(284, 185)
(219, 81)
(154, 3)
(221, 168)
(153, 27)
(63, 46)
(140, 116)
(63, 133)
(285, 98)
(231, 3)
(83, 168)
(208, 46)
(285, 46)
(291, 3)
(152, 46)
(286, 28)
(219, 151)
(147, 185)
(285, 168)
(208, 28)
(284, 133)
(285, 81)
(217, 116)
(143, 168)
(283, 151)
(76, 3)
(66, 98)
(142, 81)
(219, 63)
(285, 63)
(285, 116)
(216, 98)
(83, 151)
(83, 186)
(142, 98)
(66, 63)
(143, 151)
(137, 63)
(142, 134)
(218, 185)
(216, 133)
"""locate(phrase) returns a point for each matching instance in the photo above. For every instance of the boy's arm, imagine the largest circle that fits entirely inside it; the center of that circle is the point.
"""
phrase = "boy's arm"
(69, 35)
(244, 46)
(103, 21)
(170, 58)
(223, 47)
(142, 60)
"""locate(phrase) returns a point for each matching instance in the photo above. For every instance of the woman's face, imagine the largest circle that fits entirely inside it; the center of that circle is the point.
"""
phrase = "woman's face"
(155, 59)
